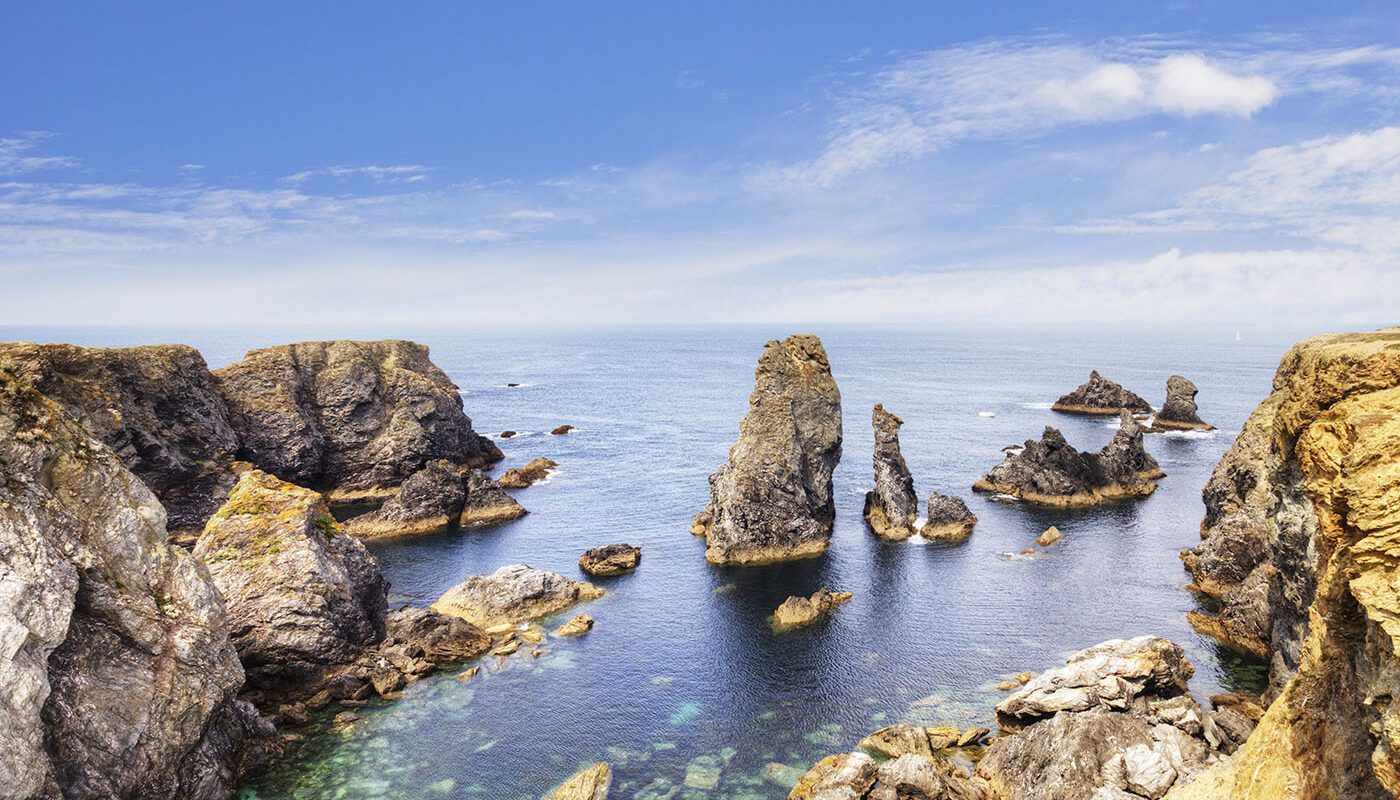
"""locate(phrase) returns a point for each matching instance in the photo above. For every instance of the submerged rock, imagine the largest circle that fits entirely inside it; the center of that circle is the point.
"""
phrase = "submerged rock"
(589, 783)
(487, 503)
(1051, 472)
(1099, 395)
(796, 612)
(949, 519)
(891, 507)
(516, 593)
(536, 470)
(429, 501)
(610, 559)
(773, 499)
(1179, 410)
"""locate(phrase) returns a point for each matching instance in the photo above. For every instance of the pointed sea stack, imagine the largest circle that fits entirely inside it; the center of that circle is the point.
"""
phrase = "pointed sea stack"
(891, 508)
(1101, 396)
(773, 500)
(1051, 472)
(1179, 411)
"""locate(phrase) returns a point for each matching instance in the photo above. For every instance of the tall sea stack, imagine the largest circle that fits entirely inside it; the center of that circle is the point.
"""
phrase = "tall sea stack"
(773, 500)
(890, 509)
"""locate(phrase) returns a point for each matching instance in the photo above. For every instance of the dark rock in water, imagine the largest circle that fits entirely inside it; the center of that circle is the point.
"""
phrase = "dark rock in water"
(949, 519)
(431, 500)
(610, 559)
(302, 596)
(156, 407)
(354, 419)
(507, 434)
(891, 508)
(520, 477)
(443, 639)
(773, 499)
(512, 594)
(1051, 472)
(119, 678)
(512, 385)
(561, 430)
(487, 503)
(1179, 411)
(1100, 396)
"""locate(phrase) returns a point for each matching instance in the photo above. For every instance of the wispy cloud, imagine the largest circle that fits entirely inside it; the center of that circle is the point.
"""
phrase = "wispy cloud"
(397, 173)
(17, 155)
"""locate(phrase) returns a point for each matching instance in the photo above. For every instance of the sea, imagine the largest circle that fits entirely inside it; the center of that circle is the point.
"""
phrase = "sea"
(683, 685)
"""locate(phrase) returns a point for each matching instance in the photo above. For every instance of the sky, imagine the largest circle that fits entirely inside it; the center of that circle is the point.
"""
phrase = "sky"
(1219, 162)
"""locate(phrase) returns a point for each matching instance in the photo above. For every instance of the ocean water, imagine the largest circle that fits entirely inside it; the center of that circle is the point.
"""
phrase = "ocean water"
(683, 678)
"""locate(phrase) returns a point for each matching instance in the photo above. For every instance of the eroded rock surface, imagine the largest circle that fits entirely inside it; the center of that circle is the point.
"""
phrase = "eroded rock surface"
(797, 612)
(486, 503)
(589, 783)
(520, 477)
(773, 499)
(948, 520)
(610, 559)
(430, 500)
(890, 509)
(511, 594)
(1051, 472)
(1099, 395)
(1179, 410)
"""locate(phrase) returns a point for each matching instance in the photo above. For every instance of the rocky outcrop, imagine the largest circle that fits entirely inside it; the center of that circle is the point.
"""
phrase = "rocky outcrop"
(512, 594)
(890, 509)
(1099, 395)
(1051, 472)
(119, 678)
(839, 776)
(430, 500)
(1302, 528)
(520, 477)
(156, 407)
(352, 419)
(610, 559)
(1179, 410)
(948, 520)
(773, 499)
(1049, 536)
(486, 503)
(589, 783)
(441, 639)
(303, 598)
(579, 625)
(797, 612)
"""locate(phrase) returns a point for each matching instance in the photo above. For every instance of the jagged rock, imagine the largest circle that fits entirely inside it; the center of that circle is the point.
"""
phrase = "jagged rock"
(577, 626)
(1051, 472)
(589, 783)
(912, 777)
(853, 773)
(442, 639)
(536, 470)
(898, 740)
(119, 678)
(303, 598)
(1099, 395)
(354, 419)
(487, 503)
(973, 736)
(610, 559)
(429, 501)
(156, 407)
(891, 507)
(516, 593)
(1049, 537)
(796, 612)
(773, 499)
(949, 519)
(1179, 410)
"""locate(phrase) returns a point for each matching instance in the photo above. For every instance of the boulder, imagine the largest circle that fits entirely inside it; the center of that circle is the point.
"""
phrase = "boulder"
(354, 419)
(577, 626)
(773, 499)
(949, 519)
(912, 777)
(1049, 537)
(487, 503)
(508, 434)
(520, 477)
(430, 500)
(516, 593)
(561, 430)
(1179, 410)
(898, 740)
(442, 639)
(303, 598)
(1099, 395)
(852, 773)
(796, 612)
(610, 559)
(891, 507)
(1051, 472)
(119, 677)
(589, 783)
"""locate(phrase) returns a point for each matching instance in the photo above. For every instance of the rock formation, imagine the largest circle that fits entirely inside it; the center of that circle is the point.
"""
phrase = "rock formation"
(430, 500)
(486, 503)
(579, 625)
(512, 594)
(119, 678)
(1301, 545)
(890, 509)
(156, 407)
(1049, 536)
(589, 783)
(797, 612)
(773, 499)
(303, 597)
(442, 639)
(352, 419)
(948, 520)
(561, 430)
(1051, 472)
(1099, 395)
(610, 559)
(1179, 411)
(520, 477)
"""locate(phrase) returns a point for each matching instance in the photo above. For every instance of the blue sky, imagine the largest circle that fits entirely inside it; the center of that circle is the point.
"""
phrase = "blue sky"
(700, 162)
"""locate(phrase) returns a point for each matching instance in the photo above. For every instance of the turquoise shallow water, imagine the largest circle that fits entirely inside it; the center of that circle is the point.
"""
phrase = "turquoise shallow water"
(683, 676)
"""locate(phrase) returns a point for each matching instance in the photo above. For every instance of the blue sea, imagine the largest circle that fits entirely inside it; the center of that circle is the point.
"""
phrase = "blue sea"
(683, 675)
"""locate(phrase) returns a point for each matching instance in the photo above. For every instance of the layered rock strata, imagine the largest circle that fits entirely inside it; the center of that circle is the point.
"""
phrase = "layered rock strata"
(1179, 410)
(1051, 472)
(948, 519)
(890, 509)
(511, 594)
(773, 499)
(1099, 395)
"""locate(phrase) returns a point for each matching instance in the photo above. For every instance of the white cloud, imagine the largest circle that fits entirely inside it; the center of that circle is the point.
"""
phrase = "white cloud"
(16, 156)
(1186, 84)
(397, 173)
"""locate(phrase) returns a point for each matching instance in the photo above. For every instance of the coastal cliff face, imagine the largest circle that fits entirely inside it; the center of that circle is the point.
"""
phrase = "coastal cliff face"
(353, 419)
(1303, 517)
(773, 500)
(120, 680)
(891, 508)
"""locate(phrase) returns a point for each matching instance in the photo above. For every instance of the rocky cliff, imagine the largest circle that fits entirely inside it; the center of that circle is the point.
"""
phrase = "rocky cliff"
(890, 509)
(119, 676)
(1052, 472)
(1303, 528)
(351, 419)
(773, 500)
